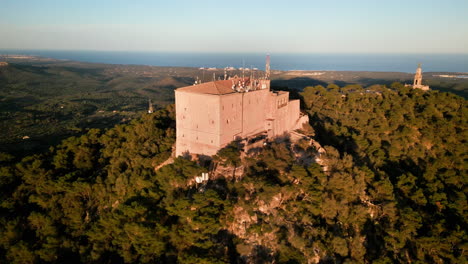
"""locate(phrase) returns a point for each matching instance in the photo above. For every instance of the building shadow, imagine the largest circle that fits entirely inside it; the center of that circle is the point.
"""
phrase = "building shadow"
(297, 83)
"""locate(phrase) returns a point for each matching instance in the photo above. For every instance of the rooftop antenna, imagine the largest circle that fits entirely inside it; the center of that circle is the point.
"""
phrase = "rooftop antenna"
(225, 73)
(214, 76)
(243, 68)
(267, 67)
(203, 75)
(251, 81)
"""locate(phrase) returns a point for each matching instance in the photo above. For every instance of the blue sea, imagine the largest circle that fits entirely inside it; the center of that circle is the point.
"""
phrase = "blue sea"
(280, 61)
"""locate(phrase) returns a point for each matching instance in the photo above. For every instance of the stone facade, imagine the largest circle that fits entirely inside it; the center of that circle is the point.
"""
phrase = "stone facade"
(211, 115)
(417, 83)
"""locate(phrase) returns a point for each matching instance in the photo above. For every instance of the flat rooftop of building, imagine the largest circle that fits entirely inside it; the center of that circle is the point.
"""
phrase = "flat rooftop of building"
(215, 87)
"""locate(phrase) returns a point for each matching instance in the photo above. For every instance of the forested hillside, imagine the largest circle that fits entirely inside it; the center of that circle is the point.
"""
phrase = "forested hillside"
(393, 191)
(43, 103)
(412, 145)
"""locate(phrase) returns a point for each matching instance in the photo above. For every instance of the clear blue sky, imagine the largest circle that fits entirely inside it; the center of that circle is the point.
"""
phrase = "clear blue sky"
(332, 26)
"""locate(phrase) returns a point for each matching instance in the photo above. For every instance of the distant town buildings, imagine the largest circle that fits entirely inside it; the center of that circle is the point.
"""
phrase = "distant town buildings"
(211, 115)
(417, 83)
(458, 76)
(3, 63)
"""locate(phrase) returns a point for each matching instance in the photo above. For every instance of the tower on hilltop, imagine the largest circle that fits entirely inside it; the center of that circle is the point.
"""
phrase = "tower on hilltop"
(417, 83)
(150, 107)
(418, 76)
(267, 68)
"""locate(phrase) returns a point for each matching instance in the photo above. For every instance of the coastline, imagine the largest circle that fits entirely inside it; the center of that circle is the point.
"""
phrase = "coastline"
(281, 61)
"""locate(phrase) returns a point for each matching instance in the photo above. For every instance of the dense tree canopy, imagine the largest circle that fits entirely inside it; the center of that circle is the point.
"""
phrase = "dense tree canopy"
(390, 189)
(412, 145)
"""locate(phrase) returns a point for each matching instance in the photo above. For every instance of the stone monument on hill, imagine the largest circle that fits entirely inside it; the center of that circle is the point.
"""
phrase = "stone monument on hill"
(417, 83)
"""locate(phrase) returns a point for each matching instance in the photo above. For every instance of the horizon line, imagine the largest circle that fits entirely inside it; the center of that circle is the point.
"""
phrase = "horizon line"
(236, 52)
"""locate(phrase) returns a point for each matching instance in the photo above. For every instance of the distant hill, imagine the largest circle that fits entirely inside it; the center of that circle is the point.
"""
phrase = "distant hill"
(436, 80)
(48, 100)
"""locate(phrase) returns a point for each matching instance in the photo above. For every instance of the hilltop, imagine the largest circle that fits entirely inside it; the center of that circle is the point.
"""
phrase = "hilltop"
(388, 188)
(43, 100)
(456, 83)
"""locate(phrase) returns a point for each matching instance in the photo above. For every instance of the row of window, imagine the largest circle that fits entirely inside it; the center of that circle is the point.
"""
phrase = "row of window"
(222, 107)
(282, 102)
(183, 135)
(240, 103)
(211, 121)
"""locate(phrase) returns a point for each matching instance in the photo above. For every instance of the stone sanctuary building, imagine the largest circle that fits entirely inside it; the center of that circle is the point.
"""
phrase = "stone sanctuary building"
(417, 83)
(211, 115)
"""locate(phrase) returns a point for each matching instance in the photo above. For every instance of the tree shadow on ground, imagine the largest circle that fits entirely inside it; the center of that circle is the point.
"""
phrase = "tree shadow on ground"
(297, 83)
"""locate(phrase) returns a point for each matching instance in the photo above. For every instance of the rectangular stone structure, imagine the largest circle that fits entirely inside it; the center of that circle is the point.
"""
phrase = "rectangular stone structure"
(211, 115)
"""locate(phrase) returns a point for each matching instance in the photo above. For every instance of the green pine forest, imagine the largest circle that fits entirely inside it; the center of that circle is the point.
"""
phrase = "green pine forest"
(393, 191)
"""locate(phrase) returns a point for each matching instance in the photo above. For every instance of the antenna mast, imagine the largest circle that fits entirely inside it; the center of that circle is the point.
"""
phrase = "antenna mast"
(243, 68)
(267, 67)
